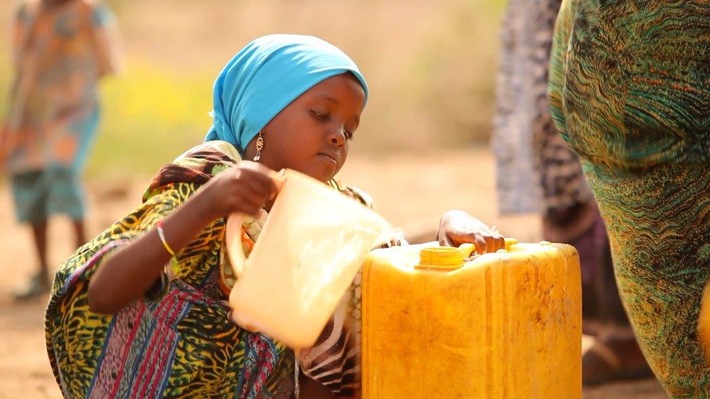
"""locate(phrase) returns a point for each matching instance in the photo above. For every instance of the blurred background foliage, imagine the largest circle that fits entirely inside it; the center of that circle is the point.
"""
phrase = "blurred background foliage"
(430, 66)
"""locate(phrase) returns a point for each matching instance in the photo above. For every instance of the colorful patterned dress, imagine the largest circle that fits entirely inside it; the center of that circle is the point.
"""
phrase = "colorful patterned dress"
(630, 92)
(61, 52)
(178, 342)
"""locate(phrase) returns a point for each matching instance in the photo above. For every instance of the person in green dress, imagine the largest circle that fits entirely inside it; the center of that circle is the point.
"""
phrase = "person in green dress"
(629, 90)
(537, 172)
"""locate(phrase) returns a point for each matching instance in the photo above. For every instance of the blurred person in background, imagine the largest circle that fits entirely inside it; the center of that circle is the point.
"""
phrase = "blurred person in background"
(61, 49)
(537, 172)
(629, 90)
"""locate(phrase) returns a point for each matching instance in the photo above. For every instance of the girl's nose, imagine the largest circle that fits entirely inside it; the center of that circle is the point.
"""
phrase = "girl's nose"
(337, 136)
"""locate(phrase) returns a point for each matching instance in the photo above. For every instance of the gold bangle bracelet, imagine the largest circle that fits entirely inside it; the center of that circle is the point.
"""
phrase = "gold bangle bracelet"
(161, 234)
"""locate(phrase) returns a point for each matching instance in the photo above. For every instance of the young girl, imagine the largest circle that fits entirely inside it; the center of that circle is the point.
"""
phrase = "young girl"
(118, 325)
(62, 48)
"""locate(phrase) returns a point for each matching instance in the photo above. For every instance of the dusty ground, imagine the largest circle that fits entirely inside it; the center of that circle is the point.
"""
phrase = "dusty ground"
(411, 191)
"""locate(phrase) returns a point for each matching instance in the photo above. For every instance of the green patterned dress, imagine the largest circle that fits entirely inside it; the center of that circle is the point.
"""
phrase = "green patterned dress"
(630, 92)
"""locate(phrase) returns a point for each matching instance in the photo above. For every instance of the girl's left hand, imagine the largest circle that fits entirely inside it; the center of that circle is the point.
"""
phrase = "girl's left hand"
(459, 227)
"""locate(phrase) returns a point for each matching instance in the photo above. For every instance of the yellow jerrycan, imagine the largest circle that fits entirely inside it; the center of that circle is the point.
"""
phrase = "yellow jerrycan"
(307, 254)
(502, 325)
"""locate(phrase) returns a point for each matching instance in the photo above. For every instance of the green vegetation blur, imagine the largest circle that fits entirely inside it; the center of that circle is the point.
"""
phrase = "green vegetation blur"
(430, 66)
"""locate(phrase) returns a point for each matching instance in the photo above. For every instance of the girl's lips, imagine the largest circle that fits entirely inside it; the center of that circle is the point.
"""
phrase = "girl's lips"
(329, 157)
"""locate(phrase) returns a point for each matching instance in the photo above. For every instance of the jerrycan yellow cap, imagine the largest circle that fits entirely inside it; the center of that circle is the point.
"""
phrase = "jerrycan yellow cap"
(444, 258)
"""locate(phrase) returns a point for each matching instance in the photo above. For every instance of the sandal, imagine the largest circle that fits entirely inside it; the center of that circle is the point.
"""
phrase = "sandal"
(38, 286)
(613, 358)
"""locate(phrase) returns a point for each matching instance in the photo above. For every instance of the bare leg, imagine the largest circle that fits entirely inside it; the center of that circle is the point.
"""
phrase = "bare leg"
(39, 233)
(40, 283)
(79, 232)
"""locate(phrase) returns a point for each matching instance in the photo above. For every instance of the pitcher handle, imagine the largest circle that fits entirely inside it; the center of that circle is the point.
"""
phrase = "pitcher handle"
(233, 243)
(233, 230)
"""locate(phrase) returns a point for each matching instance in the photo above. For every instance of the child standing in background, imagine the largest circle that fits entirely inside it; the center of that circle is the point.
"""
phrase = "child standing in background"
(61, 49)
(122, 324)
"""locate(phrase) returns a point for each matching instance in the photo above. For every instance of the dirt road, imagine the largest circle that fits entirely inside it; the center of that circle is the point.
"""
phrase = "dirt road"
(410, 190)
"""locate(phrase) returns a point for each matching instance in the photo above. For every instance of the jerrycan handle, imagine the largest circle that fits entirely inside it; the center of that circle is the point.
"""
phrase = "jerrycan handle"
(444, 258)
(233, 230)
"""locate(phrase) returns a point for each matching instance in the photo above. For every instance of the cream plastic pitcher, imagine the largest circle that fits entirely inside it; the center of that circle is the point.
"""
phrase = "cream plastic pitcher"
(309, 250)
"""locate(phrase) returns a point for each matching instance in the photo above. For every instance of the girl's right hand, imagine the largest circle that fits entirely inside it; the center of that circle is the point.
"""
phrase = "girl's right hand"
(245, 188)
(459, 227)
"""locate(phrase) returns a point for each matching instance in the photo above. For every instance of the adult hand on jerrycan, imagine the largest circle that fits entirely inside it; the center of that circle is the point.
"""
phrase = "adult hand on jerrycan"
(303, 261)
(459, 227)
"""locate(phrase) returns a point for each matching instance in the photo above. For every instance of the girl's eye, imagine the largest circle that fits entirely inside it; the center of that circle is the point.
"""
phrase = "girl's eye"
(325, 117)
(320, 116)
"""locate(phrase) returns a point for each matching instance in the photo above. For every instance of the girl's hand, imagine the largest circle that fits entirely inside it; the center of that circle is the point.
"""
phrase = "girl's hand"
(245, 188)
(459, 227)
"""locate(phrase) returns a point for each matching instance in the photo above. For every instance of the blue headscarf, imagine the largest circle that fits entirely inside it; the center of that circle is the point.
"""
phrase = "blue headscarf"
(265, 77)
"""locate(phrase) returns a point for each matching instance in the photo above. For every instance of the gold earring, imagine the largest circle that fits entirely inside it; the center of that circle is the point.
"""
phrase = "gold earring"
(259, 146)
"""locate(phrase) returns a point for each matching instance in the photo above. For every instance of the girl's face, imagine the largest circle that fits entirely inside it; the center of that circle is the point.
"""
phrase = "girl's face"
(312, 134)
